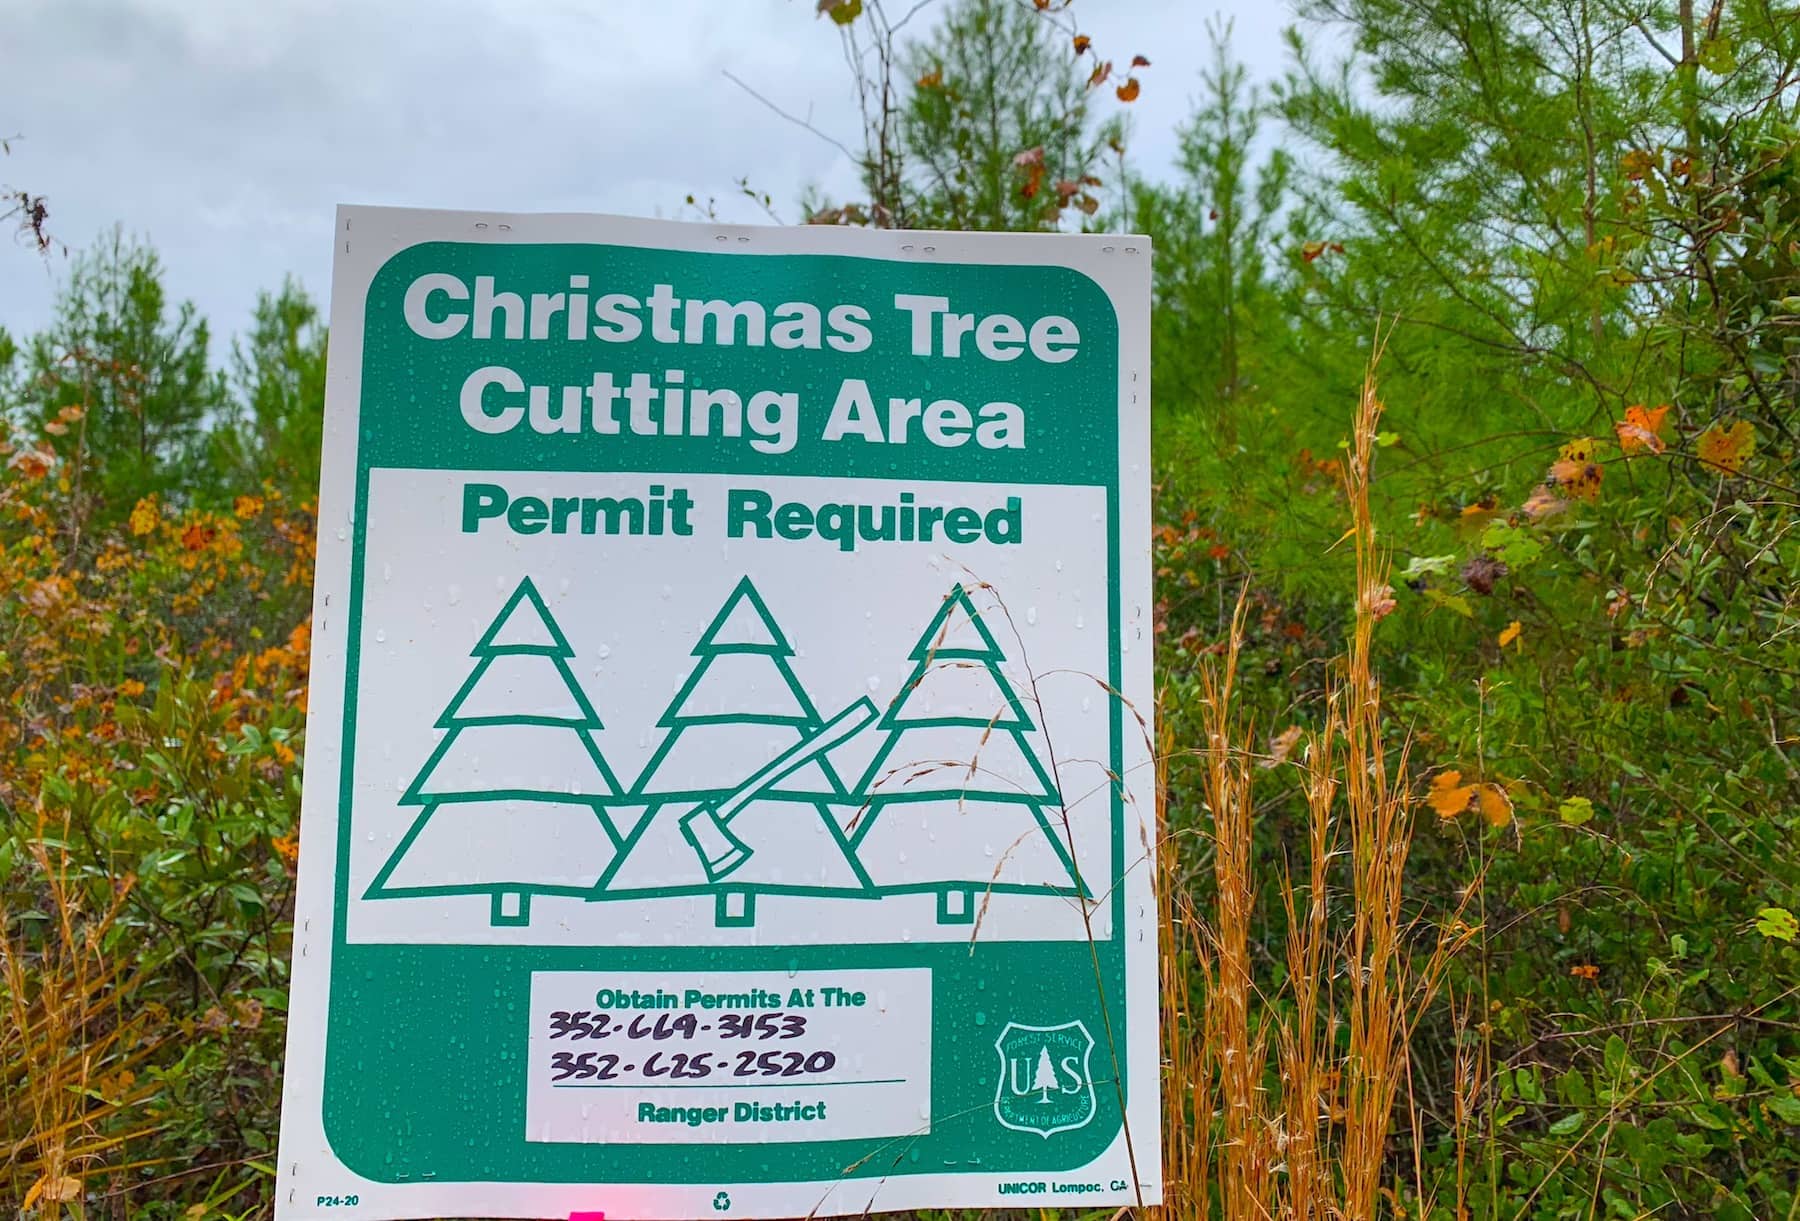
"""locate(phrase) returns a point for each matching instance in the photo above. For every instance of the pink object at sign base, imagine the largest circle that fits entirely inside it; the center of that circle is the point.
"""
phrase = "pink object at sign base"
(587, 1216)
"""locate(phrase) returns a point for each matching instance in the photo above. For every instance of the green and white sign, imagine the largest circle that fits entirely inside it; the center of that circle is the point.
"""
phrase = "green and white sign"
(728, 786)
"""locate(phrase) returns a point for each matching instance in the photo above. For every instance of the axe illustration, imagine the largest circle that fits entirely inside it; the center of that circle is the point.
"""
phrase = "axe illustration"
(707, 827)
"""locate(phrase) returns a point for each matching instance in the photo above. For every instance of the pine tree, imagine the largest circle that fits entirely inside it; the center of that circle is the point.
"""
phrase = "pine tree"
(740, 705)
(995, 82)
(1044, 1077)
(956, 800)
(515, 794)
(138, 363)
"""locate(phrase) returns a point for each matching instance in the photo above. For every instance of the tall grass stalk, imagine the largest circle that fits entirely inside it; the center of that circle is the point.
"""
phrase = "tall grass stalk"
(1283, 1102)
(71, 1043)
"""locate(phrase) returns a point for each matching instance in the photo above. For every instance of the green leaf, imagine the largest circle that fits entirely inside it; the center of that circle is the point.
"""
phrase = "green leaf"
(1576, 811)
(1567, 1125)
(1707, 1117)
(1678, 945)
(1778, 923)
(843, 12)
(1716, 56)
(1615, 1057)
(1429, 566)
(1438, 597)
(1387, 439)
(1573, 1089)
(1513, 546)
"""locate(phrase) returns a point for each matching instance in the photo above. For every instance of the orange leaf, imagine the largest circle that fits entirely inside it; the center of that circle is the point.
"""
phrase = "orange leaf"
(33, 463)
(1587, 971)
(1477, 515)
(1312, 250)
(1082, 43)
(1496, 806)
(65, 1190)
(1727, 449)
(1581, 449)
(1138, 61)
(932, 79)
(1510, 633)
(143, 516)
(1576, 472)
(1449, 796)
(1543, 503)
(287, 847)
(1102, 70)
(1641, 429)
(1129, 90)
(1637, 163)
(1379, 601)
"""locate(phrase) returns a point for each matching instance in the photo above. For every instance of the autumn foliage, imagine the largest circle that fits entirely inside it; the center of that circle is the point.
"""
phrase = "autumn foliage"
(1480, 714)
(153, 663)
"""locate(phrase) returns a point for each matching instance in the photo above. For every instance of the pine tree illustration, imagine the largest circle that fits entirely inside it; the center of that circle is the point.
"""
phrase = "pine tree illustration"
(515, 794)
(741, 704)
(1044, 1078)
(957, 801)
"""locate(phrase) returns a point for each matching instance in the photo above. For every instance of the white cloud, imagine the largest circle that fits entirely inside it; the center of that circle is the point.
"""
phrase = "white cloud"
(227, 131)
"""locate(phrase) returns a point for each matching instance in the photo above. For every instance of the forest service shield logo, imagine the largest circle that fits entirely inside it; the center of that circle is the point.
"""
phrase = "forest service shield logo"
(1045, 1085)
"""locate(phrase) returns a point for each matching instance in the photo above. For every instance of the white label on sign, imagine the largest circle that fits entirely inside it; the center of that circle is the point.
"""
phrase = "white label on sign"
(728, 1057)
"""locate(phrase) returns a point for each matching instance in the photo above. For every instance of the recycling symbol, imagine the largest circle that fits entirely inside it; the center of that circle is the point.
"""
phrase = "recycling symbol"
(721, 1202)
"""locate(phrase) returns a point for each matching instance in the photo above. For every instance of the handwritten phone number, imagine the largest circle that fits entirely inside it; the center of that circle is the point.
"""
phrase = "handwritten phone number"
(680, 1066)
(587, 1024)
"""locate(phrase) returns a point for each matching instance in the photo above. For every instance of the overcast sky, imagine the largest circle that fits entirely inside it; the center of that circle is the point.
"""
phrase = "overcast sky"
(225, 131)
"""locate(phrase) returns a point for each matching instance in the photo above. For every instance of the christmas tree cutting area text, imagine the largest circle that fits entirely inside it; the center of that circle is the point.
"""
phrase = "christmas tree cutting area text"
(497, 399)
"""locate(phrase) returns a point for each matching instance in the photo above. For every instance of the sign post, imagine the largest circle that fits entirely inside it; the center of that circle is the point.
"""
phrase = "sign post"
(728, 786)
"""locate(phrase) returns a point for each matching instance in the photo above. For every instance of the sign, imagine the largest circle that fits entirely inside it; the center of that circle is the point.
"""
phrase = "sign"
(728, 786)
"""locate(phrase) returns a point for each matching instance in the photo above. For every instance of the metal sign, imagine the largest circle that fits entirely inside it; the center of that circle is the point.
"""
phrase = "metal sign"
(728, 786)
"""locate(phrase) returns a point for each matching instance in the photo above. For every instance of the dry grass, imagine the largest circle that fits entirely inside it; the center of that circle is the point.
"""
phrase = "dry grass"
(70, 1044)
(1282, 1103)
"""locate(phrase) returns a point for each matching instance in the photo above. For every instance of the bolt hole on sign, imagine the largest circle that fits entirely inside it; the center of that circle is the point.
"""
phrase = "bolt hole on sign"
(729, 790)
